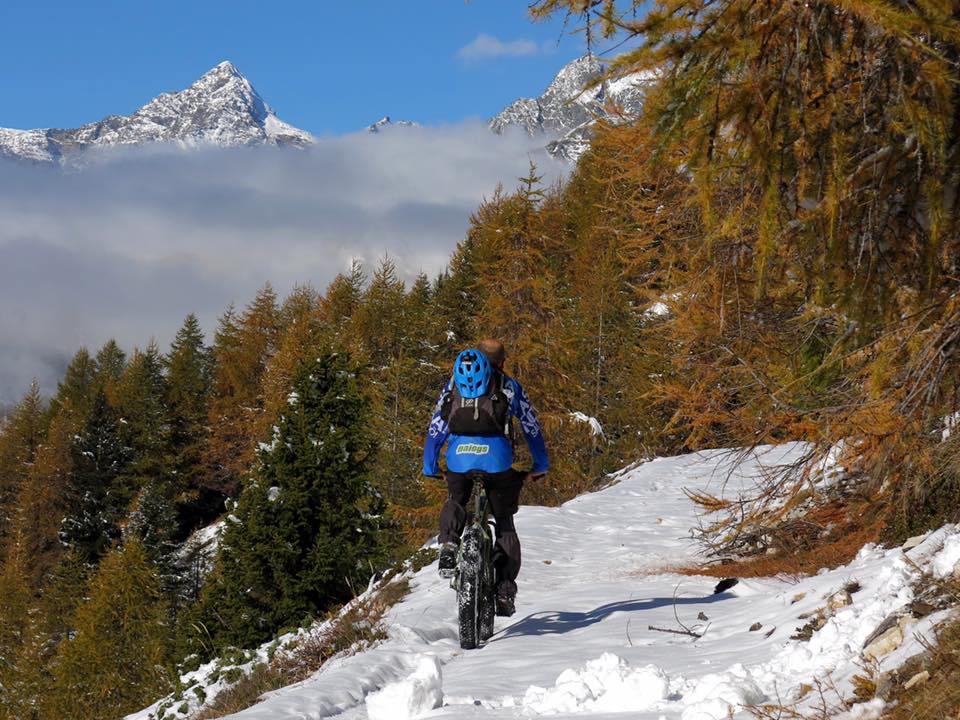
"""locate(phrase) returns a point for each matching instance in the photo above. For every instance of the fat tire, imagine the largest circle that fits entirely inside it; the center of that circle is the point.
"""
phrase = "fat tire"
(488, 607)
(470, 587)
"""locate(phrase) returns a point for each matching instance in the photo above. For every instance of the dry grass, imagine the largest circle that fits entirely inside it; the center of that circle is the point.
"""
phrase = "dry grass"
(347, 632)
(262, 679)
(939, 697)
(838, 549)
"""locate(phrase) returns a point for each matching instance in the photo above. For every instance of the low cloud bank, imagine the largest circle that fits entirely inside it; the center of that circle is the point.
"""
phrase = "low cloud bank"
(129, 245)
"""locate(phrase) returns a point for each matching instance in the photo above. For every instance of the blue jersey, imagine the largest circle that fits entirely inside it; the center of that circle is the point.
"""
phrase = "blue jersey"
(467, 453)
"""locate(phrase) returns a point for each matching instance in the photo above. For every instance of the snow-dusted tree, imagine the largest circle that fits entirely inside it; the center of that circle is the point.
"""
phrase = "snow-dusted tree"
(304, 533)
(99, 459)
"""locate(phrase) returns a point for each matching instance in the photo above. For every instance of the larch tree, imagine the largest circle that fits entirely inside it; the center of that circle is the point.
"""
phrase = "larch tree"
(78, 386)
(242, 348)
(111, 361)
(20, 438)
(117, 658)
(343, 298)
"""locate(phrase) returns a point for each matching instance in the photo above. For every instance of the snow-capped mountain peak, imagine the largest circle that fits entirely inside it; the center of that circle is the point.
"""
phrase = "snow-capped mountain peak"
(221, 108)
(569, 107)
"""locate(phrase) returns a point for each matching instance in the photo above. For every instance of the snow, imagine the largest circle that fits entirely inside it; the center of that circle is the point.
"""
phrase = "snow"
(596, 429)
(409, 698)
(661, 308)
(595, 583)
(950, 423)
(947, 561)
(658, 309)
(630, 83)
(604, 684)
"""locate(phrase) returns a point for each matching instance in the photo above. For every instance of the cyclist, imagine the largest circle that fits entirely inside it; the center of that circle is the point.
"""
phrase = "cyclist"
(473, 417)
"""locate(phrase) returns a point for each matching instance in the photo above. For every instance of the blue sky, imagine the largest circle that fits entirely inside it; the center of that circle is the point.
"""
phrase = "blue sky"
(325, 67)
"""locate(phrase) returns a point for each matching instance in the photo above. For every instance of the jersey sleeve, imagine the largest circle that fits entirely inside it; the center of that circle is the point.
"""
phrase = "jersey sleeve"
(522, 408)
(436, 436)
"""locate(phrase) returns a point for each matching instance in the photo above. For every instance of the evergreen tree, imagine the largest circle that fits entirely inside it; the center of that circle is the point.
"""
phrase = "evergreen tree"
(92, 497)
(153, 521)
(115, 662)
(304, 533)
(145, 423)
(188, 385)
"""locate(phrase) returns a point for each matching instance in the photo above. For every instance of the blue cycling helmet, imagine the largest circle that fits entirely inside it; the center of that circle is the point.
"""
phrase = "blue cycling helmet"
(471, 373)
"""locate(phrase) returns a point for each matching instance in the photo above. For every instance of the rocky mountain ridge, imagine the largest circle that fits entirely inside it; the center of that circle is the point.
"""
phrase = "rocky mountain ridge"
(222, 108)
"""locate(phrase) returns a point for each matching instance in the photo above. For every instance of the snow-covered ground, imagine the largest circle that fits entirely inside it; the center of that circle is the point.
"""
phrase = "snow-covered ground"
(595, 578)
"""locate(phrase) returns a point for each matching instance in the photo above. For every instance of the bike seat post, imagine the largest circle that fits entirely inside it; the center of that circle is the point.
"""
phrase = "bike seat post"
(479, 491)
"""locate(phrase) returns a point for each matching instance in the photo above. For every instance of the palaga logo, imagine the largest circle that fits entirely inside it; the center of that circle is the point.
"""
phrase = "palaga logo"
(472, 449)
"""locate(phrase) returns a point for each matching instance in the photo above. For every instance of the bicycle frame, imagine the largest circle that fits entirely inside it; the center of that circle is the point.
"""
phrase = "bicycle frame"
(479, 517)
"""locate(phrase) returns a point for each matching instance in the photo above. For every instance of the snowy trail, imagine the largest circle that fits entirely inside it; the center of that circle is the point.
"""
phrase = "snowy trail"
(593, 580)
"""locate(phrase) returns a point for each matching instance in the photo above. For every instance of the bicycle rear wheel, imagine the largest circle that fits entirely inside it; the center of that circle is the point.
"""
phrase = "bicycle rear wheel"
(486, 600)
(470, 588)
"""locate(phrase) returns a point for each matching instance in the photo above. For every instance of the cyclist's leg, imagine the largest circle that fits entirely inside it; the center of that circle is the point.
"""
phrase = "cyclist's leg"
(503, 489)
(453, 516)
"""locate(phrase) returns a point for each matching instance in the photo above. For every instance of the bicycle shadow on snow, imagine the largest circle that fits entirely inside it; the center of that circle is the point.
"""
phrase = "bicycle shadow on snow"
(560, 622)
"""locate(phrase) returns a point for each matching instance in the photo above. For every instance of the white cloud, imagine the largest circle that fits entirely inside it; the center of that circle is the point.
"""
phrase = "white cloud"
(128, 246)
(485, 46)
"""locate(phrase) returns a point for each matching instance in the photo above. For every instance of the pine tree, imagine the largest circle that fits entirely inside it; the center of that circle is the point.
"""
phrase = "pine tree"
(153, 522)
(93, 498)
(188, 385)
(304, 533)
(115, 662)
(145, 426)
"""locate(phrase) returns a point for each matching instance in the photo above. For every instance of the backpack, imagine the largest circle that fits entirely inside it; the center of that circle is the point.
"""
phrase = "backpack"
(485, 416)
